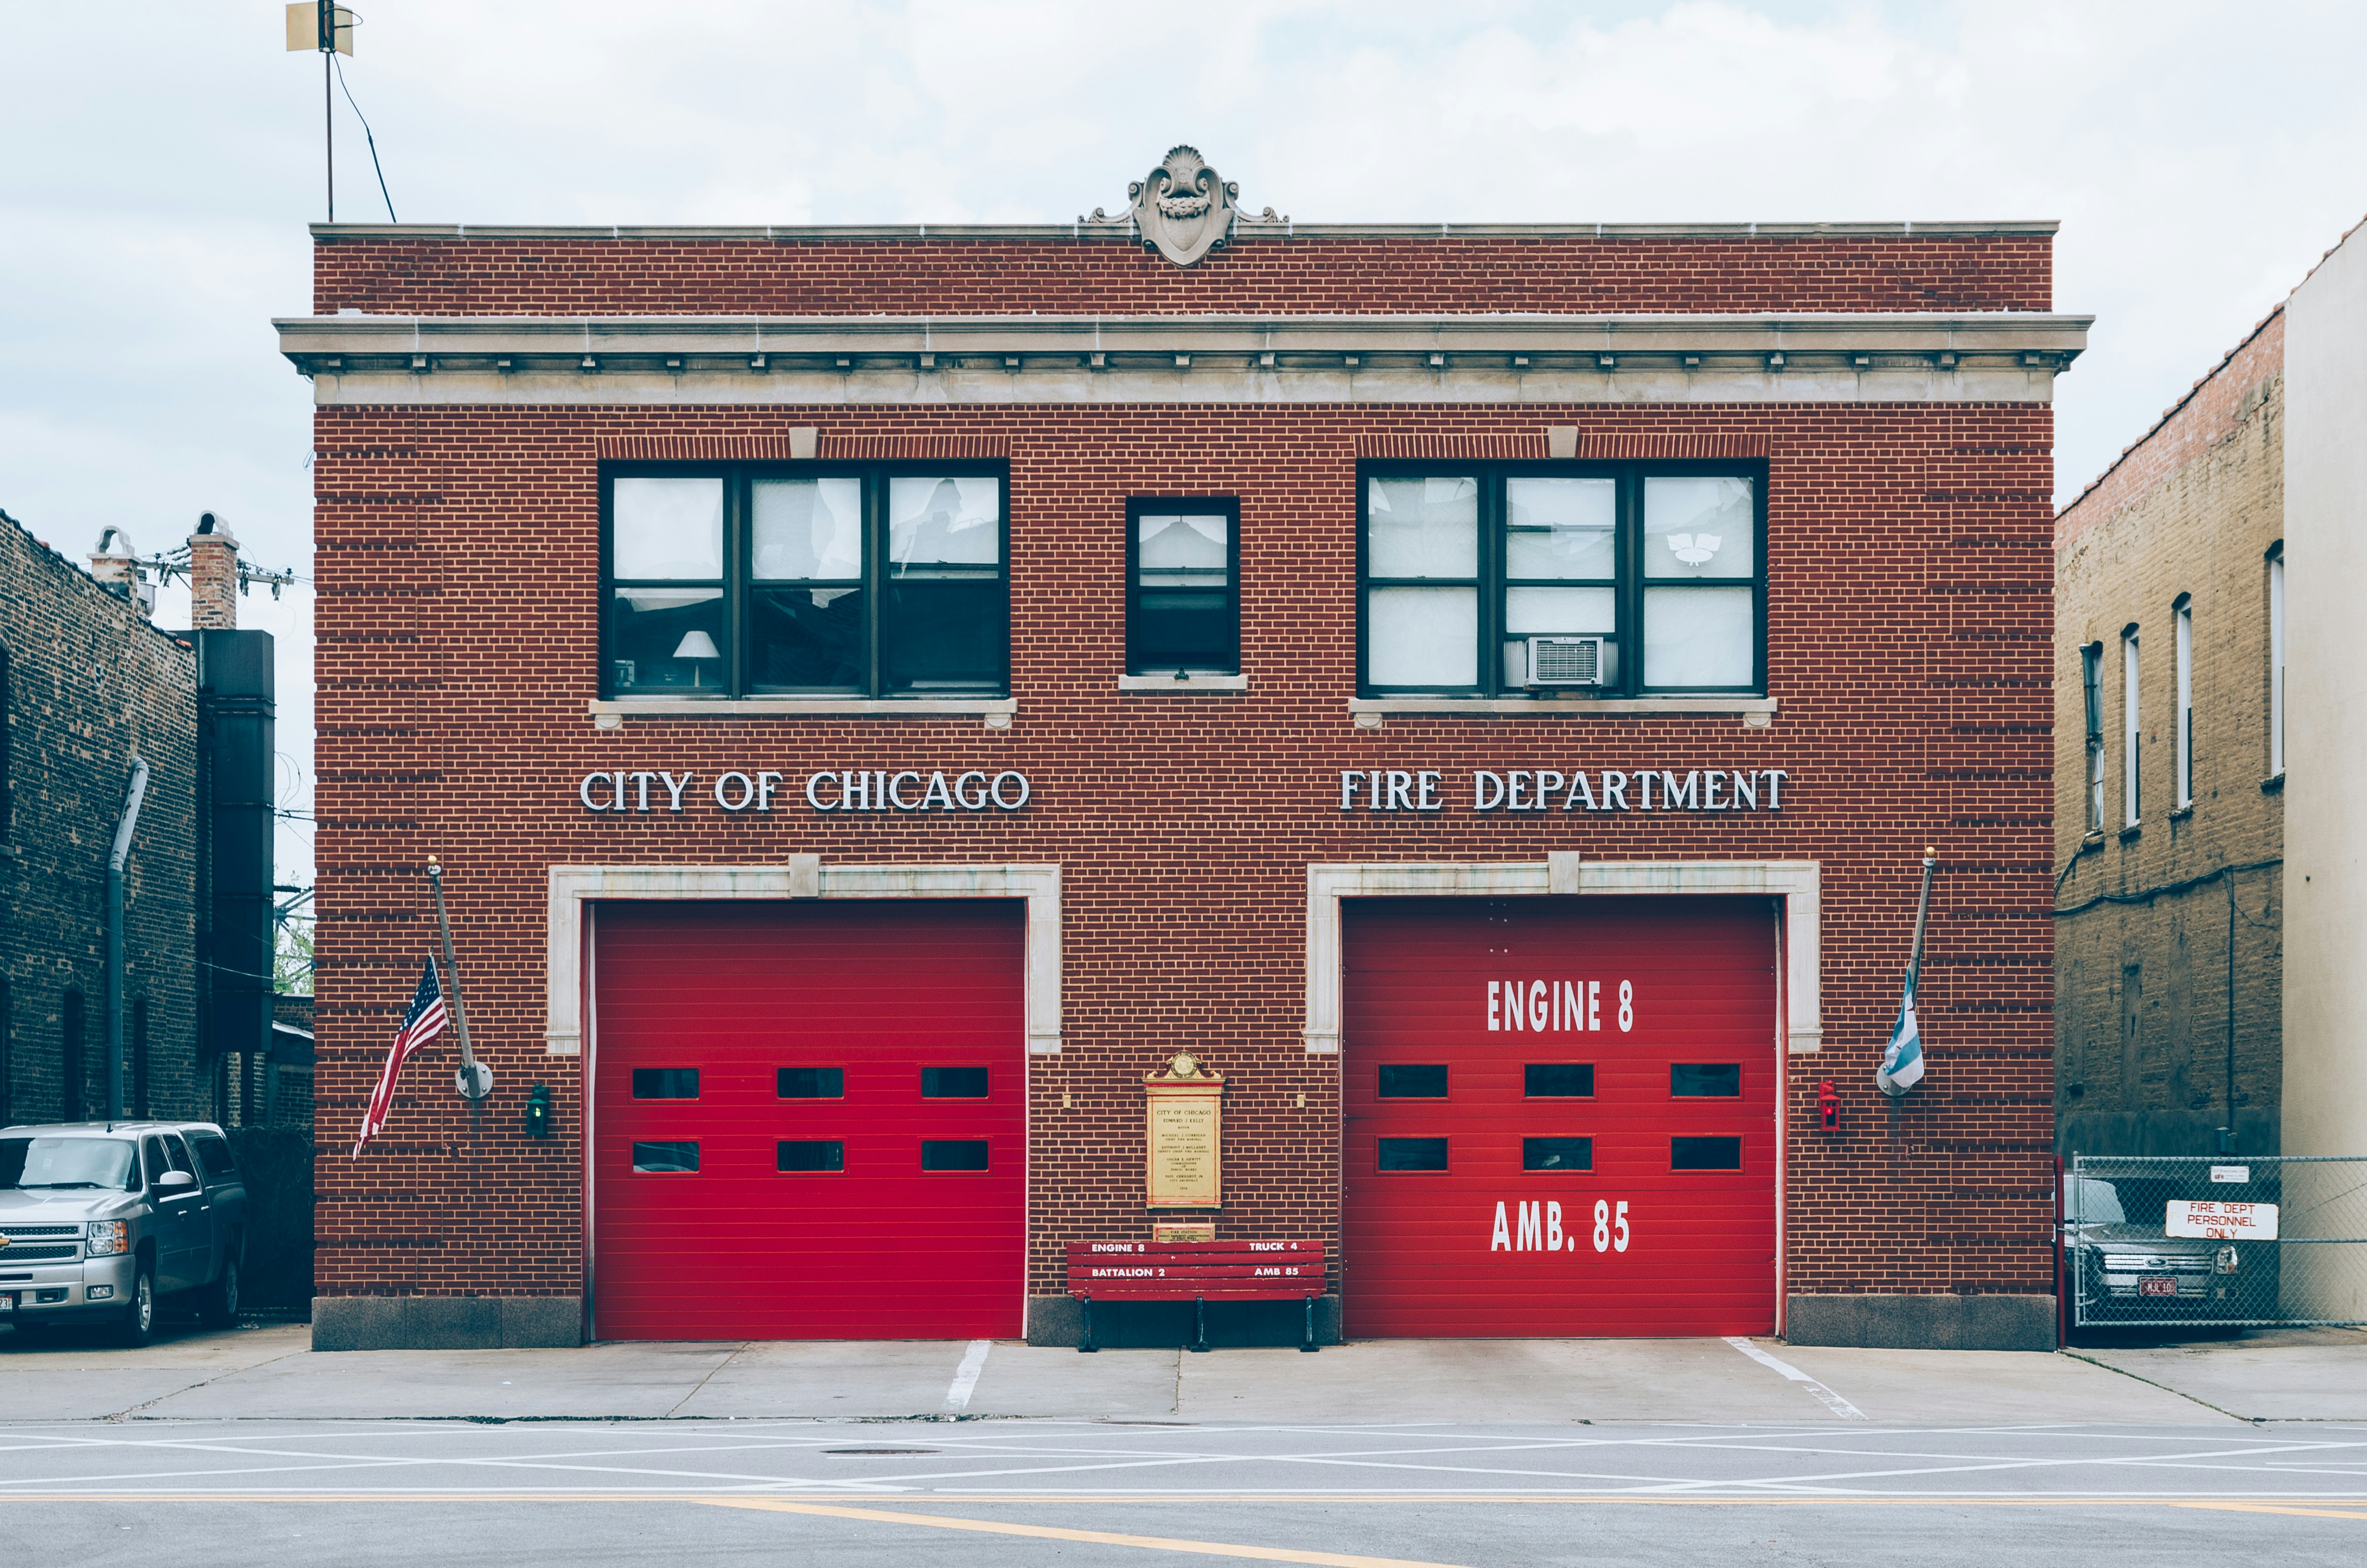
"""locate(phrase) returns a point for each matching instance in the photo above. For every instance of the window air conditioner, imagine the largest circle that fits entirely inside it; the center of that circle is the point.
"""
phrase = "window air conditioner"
(1566, 661)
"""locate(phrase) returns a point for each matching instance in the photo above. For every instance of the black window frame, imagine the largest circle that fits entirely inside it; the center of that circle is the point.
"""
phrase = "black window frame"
(739, 584)
(1628, 586)
(1137, 508)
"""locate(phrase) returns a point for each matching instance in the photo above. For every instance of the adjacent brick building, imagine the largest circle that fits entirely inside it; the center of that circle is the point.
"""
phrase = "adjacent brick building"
(2169, 815)
(86, 684)
(878, 694)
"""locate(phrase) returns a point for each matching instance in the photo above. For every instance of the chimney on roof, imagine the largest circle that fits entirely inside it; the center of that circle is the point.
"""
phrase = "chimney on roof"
(213, 575)
(114, 567)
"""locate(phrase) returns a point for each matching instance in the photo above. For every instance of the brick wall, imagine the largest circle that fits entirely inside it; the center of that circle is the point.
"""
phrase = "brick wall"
(559, 275)
(2160, 975)
(90, 682)
(1910, 624)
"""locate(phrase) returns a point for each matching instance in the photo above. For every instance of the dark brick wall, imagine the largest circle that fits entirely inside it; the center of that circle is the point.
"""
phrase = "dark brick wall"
(90, 682)
(562, 275)
(1909, 628)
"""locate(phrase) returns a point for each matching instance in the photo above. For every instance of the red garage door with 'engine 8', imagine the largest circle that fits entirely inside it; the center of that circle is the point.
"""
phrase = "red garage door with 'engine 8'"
(809, 1120)
(1560, 1117)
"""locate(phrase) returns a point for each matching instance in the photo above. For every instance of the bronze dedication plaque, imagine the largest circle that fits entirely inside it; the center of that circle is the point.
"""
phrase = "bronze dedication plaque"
(1186, 1109)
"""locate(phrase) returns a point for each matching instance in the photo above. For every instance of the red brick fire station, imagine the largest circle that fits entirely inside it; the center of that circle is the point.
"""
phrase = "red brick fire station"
(879, 694)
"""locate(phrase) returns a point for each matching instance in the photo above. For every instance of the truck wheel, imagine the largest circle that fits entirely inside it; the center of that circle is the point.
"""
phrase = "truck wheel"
(217, 1302)
(139, 1323)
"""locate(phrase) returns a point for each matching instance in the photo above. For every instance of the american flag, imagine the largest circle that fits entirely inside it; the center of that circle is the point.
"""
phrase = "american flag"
(422, 1024)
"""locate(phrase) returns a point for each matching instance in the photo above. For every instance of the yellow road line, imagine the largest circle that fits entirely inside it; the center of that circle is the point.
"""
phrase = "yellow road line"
(1091, 1537)
(2238, 1505)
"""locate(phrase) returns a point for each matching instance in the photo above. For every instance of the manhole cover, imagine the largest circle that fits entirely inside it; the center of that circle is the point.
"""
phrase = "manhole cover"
(880, 1450)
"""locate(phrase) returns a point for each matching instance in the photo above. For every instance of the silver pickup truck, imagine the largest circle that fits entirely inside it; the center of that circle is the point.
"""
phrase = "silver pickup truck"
(99, 1220)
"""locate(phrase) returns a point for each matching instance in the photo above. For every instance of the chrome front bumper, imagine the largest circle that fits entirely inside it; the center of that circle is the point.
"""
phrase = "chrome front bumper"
(60, 1293)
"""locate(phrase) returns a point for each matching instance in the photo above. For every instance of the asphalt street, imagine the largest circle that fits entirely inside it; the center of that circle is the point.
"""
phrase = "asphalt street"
(1031, 1492)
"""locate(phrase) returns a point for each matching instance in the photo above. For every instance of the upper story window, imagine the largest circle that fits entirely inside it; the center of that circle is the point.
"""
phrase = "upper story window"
(823, 580)
(1613, 579)
(2277, 660)
(2184, 711)
(2092, 680)
(1183, 587)
(2132, 732)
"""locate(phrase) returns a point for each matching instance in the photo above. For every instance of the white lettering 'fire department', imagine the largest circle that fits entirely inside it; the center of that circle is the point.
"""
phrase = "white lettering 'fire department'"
(1545, 788)
(882, 790)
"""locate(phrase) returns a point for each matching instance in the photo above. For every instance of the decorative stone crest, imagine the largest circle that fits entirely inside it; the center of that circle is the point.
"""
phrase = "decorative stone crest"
(1183, 208)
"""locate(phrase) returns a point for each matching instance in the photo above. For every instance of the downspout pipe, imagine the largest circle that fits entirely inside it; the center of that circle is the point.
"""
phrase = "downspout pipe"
(114, 860)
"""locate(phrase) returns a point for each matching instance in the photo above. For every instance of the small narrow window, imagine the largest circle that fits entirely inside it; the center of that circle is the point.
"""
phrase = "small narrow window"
(2184, 628)
(1706, 1079)
(952, 1153)
(953, 1083)
(665, 1083)
(1556, 1154)
(2091, 681)
(1557, 1080)
(1412, 1153)
(1182, 608)
(2131, 732)
(1402, 1081)
(809, 1154)
(1704, 1153)
(809, 1084)
(666, 1158)
(2277, 660)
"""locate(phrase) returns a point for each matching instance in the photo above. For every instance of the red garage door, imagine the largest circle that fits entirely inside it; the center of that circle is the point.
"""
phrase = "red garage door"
(809, 1121)
(1560, 1117)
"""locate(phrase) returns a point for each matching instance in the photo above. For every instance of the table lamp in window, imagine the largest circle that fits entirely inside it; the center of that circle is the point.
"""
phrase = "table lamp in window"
(696, 646)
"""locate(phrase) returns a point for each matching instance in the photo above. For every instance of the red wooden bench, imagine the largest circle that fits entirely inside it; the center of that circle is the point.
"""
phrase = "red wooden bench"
(1197, 1272)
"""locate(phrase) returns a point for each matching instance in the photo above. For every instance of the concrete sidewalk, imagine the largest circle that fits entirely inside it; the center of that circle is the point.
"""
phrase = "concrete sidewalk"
(270, 1372)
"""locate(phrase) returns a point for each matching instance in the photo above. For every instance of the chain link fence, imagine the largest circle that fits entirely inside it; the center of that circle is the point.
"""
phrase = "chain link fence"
(2265, 1242)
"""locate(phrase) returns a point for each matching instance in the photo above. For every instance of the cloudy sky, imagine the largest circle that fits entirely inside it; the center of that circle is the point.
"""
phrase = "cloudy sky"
(156, 171)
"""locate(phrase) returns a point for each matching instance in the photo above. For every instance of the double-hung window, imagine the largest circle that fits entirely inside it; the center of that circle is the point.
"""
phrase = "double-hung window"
(2132, 732)
(2092, 678)
(1182, 587)
(805, 580)
(1620, 580)
(2185, 712)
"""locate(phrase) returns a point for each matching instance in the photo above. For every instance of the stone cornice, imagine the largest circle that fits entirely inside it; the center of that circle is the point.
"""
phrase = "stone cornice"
(1996, 356)
(1245, 228)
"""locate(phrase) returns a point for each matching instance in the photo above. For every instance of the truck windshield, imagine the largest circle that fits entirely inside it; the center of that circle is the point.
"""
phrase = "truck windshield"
(2093, 1202)
(53, 1163)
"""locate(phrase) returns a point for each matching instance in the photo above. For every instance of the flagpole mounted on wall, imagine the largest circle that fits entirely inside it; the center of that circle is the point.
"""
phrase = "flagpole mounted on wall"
(476, 1079)
(1902, 1064)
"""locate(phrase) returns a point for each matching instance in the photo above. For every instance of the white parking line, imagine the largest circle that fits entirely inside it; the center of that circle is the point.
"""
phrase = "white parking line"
(966, 1376)
(1825, 1396)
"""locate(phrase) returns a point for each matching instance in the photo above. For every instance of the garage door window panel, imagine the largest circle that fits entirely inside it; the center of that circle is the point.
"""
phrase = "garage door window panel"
(1461, 569)
(1704, 1153)
(1411, 1155)
(665, 1157)
(809, 1084)
(665, 1083)
(1411, 1081)
(1706, 1079)
(953, 1083)
(954, 1154)
(1557, 1080)
(1556, 1154)
(810, 1156)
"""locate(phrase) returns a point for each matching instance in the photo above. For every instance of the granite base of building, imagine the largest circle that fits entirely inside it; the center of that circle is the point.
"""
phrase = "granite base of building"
(1922, 1323)
(1059, 1321)
(447, 1323)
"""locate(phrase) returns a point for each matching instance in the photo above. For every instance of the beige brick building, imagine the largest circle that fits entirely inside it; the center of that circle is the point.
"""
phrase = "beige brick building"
(2169, 812)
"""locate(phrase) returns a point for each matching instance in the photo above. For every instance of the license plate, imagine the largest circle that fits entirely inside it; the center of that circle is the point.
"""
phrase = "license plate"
(8, 1302)
(2157, 1285)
